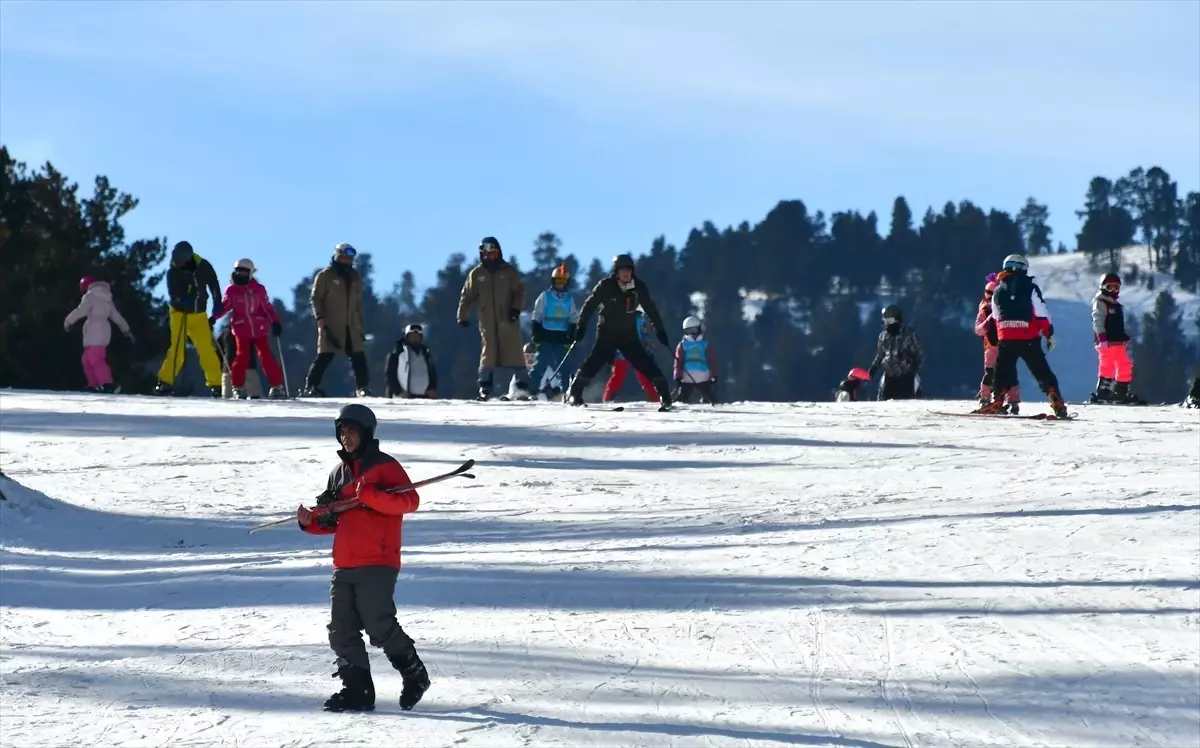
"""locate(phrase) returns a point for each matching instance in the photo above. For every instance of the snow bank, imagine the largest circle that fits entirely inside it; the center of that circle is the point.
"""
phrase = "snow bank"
(855, 575)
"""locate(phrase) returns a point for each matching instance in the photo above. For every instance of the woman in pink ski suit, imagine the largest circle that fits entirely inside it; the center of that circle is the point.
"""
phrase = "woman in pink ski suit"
(98, 311)
(253, 317)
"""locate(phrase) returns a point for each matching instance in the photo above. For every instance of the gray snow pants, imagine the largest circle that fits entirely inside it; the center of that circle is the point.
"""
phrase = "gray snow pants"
(361, 599)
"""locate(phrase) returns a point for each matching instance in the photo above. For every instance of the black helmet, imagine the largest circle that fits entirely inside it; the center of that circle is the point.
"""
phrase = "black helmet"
(622, 261)
(181, 253)
(357, 415)
(891, 311)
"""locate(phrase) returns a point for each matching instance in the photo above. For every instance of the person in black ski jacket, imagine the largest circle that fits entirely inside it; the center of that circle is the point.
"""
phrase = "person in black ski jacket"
(409, 371)
(617, 299)
(1112, 346)
(191, 281)
(899, 354)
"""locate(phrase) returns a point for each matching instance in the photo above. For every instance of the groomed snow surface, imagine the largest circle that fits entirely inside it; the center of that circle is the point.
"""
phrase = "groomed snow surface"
(752, 575)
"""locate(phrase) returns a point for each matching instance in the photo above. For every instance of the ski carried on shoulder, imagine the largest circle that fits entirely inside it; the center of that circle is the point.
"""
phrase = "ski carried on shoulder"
(460, 471)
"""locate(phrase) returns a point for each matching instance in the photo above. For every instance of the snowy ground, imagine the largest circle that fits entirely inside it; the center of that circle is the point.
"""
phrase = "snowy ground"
(854, 575)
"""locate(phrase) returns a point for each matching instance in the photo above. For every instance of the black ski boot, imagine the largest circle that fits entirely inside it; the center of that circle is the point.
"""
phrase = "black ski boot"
(312, 391)
(485, 392)
(416, 678)
(1103, 393)
(358, 690)
(1122, 396)
(215, 392)
(163, 389)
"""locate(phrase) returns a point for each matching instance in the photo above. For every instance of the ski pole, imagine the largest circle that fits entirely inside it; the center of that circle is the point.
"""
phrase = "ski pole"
(461, 470)
(565, 357)
(283, 365)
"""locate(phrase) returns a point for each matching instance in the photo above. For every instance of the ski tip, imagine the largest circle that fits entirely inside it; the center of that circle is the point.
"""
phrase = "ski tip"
(469, 475)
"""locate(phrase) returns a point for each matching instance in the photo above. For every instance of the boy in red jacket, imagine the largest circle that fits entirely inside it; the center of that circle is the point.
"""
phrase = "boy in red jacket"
(366, 522)
(253, 317)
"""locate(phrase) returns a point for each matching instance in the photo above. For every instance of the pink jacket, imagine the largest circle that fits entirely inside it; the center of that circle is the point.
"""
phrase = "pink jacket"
(98, 309)
(251, 309)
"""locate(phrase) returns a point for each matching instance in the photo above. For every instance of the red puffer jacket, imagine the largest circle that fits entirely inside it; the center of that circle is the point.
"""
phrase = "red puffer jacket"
(251, 308)
(368, 535)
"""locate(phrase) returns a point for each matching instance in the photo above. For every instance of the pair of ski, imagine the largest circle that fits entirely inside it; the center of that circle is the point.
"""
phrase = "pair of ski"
(1006, 416)
(460, 471)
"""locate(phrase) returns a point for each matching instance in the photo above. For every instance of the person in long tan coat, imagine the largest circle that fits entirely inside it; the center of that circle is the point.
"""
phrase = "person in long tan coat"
(496, 288)
(337, 304)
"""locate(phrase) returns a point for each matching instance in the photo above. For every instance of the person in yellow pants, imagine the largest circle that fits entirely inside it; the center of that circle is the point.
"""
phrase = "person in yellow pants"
(191, 280)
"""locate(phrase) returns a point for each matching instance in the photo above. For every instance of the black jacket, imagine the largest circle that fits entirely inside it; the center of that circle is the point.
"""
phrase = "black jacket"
(618, 321)
(189, 286)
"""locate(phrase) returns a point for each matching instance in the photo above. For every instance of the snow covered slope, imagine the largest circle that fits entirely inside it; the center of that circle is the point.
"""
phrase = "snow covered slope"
(1069, 286)
(757, 575)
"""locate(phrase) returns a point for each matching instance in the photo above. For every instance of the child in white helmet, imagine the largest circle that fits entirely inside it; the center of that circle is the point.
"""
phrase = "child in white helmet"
(695, 364)
(252, 319)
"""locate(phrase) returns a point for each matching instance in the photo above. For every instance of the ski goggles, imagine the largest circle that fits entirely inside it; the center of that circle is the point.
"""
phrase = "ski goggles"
(415, 328)
(890, 320)
(488, 248)
(345, 250)
(1111, 287)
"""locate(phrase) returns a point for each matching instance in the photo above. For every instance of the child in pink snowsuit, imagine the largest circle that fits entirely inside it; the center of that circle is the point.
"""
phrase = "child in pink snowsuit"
(985, 327)
(253, 318)
(98, 311)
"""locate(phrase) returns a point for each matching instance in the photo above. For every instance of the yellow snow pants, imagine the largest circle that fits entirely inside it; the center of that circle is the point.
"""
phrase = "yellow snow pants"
(195, 326)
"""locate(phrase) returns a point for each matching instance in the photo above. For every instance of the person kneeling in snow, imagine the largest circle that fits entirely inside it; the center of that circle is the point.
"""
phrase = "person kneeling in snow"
(847, 391)
(366, 521)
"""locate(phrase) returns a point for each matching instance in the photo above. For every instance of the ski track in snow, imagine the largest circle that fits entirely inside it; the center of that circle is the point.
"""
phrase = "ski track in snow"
(856, 575)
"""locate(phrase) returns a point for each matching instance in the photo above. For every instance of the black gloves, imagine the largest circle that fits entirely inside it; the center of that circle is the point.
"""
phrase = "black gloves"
(276, 329)
(572, 332)
(871, 372)
(465, 322)
(514, 315)
(580, 334)
(326, 520)
(662, 338)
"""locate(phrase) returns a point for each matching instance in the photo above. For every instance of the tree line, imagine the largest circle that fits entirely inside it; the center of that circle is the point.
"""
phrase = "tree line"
(813, 284)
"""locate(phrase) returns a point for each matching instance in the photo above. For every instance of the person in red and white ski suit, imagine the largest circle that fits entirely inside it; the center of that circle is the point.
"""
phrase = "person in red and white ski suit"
(253, 317)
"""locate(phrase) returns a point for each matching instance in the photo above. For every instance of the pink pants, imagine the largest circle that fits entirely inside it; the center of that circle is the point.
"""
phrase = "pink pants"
(1115, 363)
(95, 367)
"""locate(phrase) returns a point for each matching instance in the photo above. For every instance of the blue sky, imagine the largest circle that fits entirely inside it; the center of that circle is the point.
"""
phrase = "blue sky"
(275, 130)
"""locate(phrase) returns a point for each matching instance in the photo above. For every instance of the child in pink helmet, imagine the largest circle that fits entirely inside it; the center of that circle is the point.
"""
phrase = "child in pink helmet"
(98, 311)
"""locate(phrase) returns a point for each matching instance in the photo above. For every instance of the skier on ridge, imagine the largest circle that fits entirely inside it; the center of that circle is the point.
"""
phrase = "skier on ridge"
(365, 521)
(1108, 331)
(617, 298)
(1021, 320)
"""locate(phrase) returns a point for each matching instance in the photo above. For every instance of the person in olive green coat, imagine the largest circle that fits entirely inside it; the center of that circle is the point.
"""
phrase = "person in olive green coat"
(496, 287)
(337, 303)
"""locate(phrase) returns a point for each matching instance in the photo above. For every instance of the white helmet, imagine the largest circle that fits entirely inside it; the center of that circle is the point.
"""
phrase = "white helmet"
(1016, 262)
(245, 264)
(691, 323)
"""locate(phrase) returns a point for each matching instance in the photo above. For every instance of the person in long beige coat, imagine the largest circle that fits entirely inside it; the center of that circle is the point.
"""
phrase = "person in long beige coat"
(496, 288)
(337, 304)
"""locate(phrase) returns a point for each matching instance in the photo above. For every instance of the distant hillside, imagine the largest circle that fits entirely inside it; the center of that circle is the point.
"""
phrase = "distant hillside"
(1069, 285)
